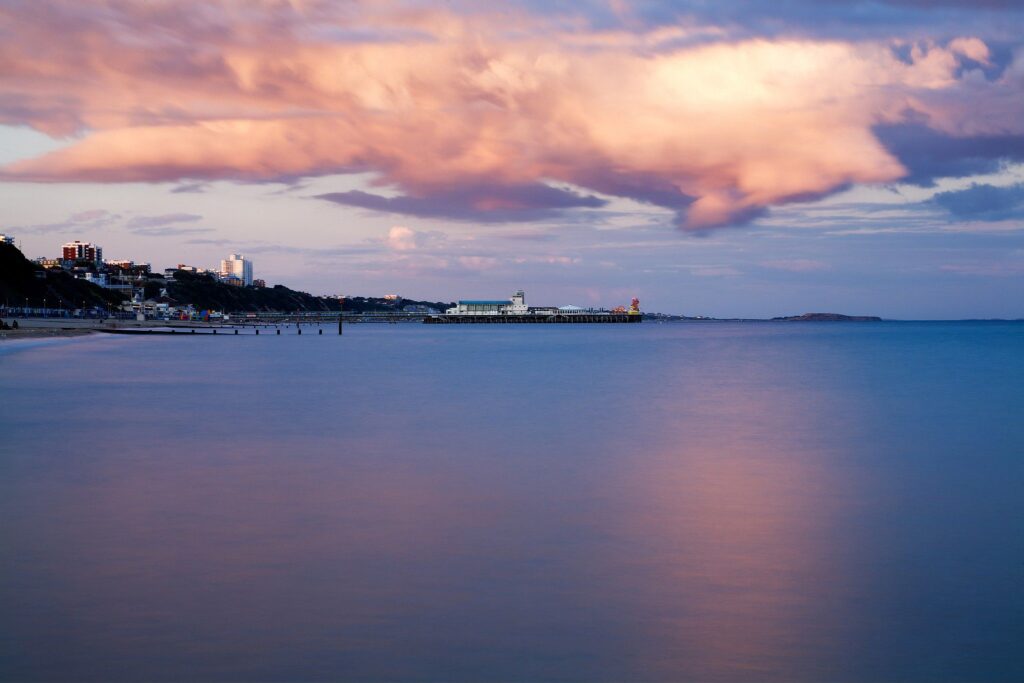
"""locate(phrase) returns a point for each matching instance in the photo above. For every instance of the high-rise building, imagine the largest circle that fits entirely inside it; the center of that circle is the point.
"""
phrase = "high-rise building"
(82, 251)
(238, 266)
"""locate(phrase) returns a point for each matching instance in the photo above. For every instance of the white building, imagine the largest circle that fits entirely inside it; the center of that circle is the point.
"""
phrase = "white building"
(514, 306)
(95, 278)
(238, 266)
(6, 239)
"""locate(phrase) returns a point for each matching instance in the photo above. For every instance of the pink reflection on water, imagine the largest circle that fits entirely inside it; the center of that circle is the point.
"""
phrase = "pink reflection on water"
(732, 538)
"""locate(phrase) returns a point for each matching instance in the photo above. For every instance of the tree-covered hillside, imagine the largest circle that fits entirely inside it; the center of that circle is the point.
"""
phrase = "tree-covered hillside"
(22, 280)
(205, 292)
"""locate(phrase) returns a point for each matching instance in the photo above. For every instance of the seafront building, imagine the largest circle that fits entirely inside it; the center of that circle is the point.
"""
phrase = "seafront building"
(127, 267)
(238, 266)
(169, 272)
(82, 251)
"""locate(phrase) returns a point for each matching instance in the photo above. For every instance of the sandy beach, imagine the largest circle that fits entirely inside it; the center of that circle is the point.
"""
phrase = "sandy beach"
(36, 332)
(33, 328)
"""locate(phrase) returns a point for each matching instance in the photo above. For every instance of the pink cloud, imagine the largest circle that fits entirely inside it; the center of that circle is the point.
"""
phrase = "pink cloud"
(266, 90)
(402, 239)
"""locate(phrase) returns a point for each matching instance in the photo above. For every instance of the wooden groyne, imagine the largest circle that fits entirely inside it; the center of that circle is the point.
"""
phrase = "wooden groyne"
(214, 331)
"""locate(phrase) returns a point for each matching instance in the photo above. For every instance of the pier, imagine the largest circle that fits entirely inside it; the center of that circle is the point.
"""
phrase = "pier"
(514, 311)
(533, 318)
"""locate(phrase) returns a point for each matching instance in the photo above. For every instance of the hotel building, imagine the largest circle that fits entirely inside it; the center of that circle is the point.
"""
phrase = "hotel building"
(237, 266)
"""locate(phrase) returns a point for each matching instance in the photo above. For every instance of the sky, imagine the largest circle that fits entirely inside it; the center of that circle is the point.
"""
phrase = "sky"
(711, 157)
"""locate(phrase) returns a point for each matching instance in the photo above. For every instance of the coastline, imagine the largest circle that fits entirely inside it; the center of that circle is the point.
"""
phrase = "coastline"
(46, 328)
(43, 333)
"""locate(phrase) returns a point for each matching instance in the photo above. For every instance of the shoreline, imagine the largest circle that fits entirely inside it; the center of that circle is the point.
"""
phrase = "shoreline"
(45, 328)
(43, 333)
(61, 329)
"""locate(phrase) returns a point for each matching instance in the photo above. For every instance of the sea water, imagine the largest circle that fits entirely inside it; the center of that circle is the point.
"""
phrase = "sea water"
(655, 502)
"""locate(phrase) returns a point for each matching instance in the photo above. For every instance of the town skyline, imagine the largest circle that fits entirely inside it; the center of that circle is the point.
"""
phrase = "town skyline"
(718, 162)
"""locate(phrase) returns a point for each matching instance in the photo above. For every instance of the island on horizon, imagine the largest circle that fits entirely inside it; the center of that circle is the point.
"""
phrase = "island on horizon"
(828, 317)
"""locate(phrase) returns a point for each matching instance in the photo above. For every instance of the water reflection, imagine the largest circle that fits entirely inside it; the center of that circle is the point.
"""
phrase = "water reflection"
(730, 521)
(712, 514)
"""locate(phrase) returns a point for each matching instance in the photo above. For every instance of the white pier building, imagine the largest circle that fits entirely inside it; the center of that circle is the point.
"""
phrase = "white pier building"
(514, 306)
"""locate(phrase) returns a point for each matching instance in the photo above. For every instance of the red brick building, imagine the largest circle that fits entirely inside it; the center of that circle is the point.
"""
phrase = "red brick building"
(82, 251)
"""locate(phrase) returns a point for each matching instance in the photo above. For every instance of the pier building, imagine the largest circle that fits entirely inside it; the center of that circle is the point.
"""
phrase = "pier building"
(515, 310)
(514, 306)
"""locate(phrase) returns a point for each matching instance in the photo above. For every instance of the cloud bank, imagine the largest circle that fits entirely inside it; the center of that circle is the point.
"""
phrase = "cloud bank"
(486, 116)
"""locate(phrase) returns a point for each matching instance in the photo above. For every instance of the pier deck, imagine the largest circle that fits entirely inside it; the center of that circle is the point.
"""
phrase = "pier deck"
(531, 318)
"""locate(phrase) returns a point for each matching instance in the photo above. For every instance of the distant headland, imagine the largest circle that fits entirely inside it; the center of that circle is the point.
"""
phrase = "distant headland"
(828, 317)
(806, 317)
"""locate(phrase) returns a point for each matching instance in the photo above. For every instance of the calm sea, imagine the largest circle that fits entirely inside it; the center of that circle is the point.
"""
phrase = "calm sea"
(674, 502)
